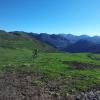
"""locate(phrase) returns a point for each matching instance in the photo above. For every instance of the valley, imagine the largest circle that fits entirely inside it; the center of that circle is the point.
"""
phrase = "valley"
(51, 75)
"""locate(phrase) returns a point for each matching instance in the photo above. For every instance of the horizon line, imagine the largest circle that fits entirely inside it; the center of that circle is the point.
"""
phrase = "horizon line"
(51, 33)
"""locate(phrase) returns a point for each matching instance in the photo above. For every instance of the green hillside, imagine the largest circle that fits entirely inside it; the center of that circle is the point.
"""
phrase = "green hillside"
(54, 73)
(20, 40)
(55, 67)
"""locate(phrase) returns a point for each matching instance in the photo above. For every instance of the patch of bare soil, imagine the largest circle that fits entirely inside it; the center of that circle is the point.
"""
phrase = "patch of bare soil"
(19, 86)
(80, 65)
(93, 57)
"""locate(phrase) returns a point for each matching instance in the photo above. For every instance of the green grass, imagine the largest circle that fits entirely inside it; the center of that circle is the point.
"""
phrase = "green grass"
(50, 65)
(22, 41)
(37, 83)
(10, 56)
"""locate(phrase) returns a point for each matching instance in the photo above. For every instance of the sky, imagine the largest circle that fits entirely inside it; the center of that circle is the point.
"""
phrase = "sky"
(51, 16)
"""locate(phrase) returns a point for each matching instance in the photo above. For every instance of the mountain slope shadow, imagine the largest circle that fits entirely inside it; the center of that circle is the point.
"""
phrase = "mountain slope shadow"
(80, 65)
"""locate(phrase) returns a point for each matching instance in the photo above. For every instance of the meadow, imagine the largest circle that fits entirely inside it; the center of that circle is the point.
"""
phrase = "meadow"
(53, 68)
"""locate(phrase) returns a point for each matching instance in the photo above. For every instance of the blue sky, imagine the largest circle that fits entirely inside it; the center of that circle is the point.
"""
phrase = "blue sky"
(51, 16)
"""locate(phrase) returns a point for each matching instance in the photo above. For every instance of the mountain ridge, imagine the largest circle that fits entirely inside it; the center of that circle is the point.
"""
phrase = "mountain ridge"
(21, 40)
(82, 43)
(75, 38)
(46, 42)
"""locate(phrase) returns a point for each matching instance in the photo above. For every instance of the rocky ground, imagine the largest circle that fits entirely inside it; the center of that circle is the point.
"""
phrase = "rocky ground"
(18, 85)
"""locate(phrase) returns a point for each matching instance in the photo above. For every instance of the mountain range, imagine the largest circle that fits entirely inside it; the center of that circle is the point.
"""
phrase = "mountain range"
(50, 42)
(75, 38)
(22, 40)
(70, 43)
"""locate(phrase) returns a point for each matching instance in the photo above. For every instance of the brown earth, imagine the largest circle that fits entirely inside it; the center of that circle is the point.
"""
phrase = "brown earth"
(18, 85)
(80, 65)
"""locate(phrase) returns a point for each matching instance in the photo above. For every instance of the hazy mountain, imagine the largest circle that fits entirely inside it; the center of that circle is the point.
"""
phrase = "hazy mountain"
(71, 43)
(75, 38)
(49, 42)
(56, 41)
(84, 46)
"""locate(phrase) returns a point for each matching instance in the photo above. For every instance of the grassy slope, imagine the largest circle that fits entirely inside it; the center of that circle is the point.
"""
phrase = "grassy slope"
(21, 40)
(50, 64)
(17, 50)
